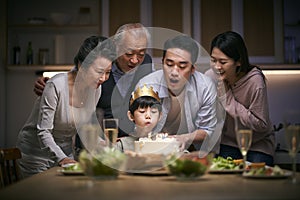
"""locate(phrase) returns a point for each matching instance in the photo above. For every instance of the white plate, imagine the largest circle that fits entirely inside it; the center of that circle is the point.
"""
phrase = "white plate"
(68, 165)
(67, 171)
(70, 172)
(150, 172)
(258, 176)
(225, 171)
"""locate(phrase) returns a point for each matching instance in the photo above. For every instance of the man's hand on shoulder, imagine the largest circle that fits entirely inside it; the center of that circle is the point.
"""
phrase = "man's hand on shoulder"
(39, 85)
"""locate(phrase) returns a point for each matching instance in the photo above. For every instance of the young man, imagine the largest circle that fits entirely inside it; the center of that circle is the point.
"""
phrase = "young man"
(188, 96)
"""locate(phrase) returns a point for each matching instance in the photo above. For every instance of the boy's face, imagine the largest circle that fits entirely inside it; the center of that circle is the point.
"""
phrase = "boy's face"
(145, 119)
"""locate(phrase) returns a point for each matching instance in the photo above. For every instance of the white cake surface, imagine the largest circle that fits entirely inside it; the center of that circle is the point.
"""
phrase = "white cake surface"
(161, 144)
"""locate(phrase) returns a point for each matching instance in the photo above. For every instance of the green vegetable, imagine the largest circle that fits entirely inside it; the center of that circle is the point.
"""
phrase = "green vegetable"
(73, 167)
(185, 167)
(221, 163)
(105, 162)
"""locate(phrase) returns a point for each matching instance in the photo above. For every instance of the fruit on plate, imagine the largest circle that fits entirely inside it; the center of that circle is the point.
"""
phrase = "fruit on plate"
(238, 161)
(265, 171)
(256, 165)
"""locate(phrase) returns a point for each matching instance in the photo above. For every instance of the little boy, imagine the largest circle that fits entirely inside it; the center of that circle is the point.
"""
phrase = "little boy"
(145, 111)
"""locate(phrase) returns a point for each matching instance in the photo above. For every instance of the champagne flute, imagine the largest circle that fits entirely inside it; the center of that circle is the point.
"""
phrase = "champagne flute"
(89, 135)
(111, 131)
(292, 137)
(244, 138)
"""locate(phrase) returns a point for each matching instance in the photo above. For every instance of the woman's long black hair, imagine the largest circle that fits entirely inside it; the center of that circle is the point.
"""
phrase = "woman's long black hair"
(233, 46)
(93, 47)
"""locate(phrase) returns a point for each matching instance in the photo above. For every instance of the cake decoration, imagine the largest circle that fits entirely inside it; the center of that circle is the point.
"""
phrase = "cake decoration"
(158, 143)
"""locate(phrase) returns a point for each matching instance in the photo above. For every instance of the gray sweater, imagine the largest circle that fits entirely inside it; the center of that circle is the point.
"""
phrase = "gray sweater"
(46, 137)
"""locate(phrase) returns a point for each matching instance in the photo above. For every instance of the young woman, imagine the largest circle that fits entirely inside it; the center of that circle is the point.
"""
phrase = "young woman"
(46, 138)
(245, 95)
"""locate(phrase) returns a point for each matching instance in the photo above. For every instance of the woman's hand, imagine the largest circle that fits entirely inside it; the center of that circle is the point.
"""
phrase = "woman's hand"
(66, 161)
(222, 87)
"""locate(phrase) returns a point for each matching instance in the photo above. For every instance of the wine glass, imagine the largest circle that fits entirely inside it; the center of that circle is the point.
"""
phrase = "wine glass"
(111, 131)
(243, 137)
(292, 136)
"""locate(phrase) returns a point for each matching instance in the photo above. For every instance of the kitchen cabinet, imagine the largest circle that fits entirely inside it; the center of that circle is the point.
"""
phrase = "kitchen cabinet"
(32, 21)
(121, 12)
(259, 22)
(29, 21)
(292, 30)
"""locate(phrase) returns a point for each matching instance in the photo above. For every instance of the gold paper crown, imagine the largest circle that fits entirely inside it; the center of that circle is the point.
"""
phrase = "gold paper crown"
(143, 91)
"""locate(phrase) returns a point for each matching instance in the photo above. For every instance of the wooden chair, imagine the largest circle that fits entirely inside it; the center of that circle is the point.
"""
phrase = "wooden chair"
(10, 172)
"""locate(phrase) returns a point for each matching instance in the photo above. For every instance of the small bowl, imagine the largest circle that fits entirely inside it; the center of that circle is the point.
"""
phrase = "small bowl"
(36, 20)
(102, 164)
(60, 18)
(187, 167)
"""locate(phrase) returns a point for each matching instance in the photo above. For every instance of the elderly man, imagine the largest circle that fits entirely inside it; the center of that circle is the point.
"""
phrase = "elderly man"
(131, 65)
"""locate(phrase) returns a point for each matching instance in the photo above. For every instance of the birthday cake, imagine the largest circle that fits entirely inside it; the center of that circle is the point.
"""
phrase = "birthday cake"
(157, 144)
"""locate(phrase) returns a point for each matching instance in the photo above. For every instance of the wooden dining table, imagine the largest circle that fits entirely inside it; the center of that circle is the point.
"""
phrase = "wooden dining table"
(52, 184)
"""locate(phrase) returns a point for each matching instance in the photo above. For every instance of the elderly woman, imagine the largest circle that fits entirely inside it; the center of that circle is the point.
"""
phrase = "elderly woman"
(46, 139)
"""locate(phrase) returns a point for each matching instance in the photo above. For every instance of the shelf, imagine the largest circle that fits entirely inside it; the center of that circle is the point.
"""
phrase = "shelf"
(279, 66)
(292, 25)
(66, 67)
(48, 27)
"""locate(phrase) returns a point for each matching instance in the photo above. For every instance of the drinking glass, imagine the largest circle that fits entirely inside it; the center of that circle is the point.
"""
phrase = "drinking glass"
(89, 135)
(243, 137)
(111, 131)
(292, 136)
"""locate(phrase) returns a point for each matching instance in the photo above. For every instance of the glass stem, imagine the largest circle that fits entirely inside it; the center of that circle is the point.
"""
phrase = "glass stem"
(294, 169)
(244, 162)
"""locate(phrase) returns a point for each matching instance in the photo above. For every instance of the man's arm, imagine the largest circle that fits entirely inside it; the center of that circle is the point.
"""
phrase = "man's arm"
(39, 85)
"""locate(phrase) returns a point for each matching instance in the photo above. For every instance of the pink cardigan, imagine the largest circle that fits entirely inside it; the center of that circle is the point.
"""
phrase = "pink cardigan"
(249, 96)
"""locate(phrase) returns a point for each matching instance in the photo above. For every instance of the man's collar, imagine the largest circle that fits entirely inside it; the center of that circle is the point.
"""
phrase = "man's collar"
(164, 92)
(115, 69)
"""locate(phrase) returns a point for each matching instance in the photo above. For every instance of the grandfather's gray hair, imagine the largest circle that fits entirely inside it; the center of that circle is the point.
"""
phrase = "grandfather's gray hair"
(135, 29)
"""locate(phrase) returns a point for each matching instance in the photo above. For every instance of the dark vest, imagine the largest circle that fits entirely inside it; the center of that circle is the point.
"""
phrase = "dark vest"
(119, 104)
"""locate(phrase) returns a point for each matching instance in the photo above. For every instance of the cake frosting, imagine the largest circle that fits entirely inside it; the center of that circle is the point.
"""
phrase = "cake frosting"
(156, 144)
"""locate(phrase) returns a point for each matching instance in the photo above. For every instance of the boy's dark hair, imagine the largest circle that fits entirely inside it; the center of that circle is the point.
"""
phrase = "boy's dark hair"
(144, 102)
